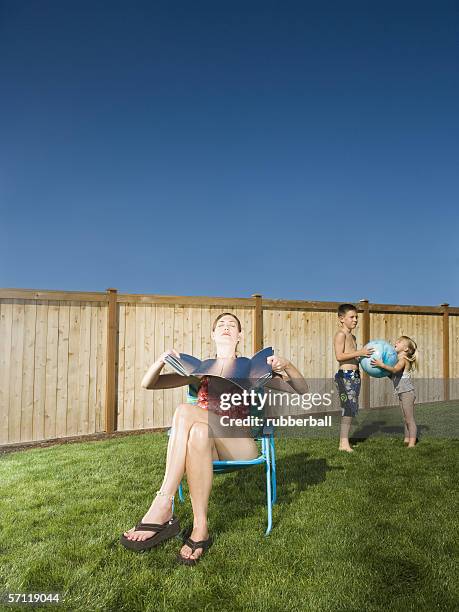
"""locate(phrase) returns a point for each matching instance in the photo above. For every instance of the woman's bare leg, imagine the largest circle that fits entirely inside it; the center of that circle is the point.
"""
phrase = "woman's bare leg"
(199, 474)
(185, 416)
(233, 449)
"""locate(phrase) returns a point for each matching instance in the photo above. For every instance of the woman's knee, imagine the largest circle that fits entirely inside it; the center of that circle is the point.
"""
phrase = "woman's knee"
(182, 413)
(199, 437)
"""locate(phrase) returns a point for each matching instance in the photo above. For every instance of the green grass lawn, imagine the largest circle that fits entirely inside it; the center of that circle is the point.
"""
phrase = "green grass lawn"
(375, 530)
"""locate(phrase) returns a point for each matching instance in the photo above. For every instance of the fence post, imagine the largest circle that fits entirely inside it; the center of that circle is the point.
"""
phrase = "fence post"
(445, 308)
(364, 305)
(257, 323)
(110, 375)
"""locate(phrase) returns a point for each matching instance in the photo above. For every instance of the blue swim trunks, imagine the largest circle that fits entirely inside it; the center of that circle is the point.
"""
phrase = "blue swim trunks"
(348, 383)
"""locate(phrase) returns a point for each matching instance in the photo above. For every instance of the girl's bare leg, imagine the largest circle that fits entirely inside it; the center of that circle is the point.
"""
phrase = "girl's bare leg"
(185, 416)
(407, 399)
(406, 439)
(201, 452)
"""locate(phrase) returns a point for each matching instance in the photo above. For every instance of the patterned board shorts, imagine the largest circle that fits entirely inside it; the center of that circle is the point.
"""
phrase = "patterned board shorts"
(348, 383)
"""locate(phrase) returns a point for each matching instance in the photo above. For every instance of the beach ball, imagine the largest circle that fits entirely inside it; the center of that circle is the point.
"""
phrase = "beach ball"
(383, 351)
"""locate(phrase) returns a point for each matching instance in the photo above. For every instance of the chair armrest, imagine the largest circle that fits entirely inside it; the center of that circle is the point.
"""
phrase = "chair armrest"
(268, 430)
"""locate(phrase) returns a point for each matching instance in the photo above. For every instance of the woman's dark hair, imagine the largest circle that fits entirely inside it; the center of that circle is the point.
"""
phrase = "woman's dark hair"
(224, 314)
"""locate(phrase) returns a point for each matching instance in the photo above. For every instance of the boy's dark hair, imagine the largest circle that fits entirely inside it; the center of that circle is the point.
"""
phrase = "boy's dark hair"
(343, 309)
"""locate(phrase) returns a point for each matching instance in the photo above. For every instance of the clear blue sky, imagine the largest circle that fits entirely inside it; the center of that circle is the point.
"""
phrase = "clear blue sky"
(303, 150)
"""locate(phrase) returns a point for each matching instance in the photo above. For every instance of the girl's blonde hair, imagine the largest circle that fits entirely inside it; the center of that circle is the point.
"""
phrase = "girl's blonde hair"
(411, 352)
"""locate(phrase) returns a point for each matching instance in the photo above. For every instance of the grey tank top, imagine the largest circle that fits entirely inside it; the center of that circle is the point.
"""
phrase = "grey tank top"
(402, 381)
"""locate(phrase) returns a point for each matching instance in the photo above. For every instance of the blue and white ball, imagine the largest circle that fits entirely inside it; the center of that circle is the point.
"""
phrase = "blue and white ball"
(383, 351)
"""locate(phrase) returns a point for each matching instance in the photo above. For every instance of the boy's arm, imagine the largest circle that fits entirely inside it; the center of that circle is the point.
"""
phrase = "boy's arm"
(400, 365)
(339, 344)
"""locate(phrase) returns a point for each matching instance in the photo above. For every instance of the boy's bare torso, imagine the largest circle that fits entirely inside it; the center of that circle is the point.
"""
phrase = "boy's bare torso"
(350, 346)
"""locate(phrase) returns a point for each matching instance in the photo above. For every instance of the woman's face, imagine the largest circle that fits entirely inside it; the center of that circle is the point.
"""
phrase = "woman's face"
(226, 331)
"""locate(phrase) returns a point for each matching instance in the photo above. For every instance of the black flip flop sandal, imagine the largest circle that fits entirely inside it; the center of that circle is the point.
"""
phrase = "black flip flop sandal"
(164, 532)
(204, 544)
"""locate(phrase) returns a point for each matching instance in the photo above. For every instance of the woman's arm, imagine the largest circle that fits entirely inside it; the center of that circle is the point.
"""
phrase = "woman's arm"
(294, 377)
(153, 379)
(400, 365)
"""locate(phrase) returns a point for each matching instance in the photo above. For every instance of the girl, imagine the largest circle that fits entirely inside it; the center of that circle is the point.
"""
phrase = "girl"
(194, 443)
(400, 374)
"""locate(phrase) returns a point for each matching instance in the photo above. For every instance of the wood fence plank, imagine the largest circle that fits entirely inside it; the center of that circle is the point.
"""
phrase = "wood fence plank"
(6, 328)
(122, 368)
(62, 403)
(17, 350)
(129, 380)
(149, 358)
(84, 351)
(73, 364)
(28, 365)
(52, 338)
(102, 341)
(92, 391)
(158, 396)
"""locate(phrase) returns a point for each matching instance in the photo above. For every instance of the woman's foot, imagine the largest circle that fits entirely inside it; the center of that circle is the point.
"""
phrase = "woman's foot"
(406, 441)
(159, 512)
(198, 534)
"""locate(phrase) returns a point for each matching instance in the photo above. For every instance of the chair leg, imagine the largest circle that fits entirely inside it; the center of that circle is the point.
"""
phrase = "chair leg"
(273, 470)
(269, 502)
(180, 493)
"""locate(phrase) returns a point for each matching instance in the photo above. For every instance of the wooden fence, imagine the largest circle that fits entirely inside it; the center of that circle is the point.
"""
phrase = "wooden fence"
(71, 363)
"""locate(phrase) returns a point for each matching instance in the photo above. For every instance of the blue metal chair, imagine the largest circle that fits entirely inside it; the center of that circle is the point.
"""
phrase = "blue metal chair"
(267, 458)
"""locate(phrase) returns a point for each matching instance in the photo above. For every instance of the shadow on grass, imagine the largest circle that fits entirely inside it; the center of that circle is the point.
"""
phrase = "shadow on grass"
(381, 428)
(243, 493)
(297, 473)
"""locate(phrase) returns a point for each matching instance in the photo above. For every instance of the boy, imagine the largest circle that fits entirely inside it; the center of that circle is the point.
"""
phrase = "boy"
(347, 378)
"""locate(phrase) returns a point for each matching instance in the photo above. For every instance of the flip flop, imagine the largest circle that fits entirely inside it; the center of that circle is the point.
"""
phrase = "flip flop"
(204, 544)
(164, 532)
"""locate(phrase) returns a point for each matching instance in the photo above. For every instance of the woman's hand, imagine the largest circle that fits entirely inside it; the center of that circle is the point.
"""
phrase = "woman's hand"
(168, 352)
(153, 374)
(277, 363)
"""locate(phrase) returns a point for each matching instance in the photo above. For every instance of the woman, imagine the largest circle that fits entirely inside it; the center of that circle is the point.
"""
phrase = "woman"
(192, 447)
